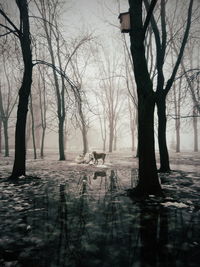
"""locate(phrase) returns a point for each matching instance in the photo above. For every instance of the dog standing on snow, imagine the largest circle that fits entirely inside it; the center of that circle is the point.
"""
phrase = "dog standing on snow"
(98, 156)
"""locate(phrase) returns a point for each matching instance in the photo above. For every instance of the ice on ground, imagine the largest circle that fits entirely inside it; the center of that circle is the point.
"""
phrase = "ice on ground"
(73, 164)
(174, 204)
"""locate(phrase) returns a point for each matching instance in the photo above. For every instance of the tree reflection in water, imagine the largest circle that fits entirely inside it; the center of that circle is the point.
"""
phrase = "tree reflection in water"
(104, 230)
(63, 239)
(154, 236)
(73, 233)
(77, 226)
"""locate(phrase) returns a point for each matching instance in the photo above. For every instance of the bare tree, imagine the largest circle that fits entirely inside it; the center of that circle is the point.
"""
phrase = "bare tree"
(192, 80)
(162, 89)
(132, 96)
(133, 122)
(23, 33)
(111, 93)
(148, 177)
(102, 117)
(49, 11)
(8, 96)
(177, 97)
(33, 126)
(79, 64)
(43, 105)
(194, 89)
(177, 108)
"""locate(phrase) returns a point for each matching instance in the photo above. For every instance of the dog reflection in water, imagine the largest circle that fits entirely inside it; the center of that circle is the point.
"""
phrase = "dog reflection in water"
(99, 174)
(113, 182)
(103, 176)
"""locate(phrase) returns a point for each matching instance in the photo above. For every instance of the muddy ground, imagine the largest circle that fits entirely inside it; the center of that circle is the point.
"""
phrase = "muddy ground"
(68, 214)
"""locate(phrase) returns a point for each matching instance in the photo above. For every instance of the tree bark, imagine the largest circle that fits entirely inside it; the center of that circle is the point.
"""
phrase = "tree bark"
(132, 137)
(85, 142)
(115, 143)
(33, 127)
(104, 145)
(61, 139)
(178, 135)
(195, 127)
(42, 143)
(0, 135)
(83, 127)
(61, 105)
(162, 140)
(43, 109)
(148, 177)
(177, 116)
(6, 139)
(4, 122)
(111, 136)
(19, 167)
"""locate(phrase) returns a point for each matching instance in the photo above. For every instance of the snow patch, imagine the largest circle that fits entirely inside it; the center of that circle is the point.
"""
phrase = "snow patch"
(174, 204)
(101, 166)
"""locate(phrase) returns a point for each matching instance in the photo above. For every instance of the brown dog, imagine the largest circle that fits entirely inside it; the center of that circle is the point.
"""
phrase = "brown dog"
(98, 156)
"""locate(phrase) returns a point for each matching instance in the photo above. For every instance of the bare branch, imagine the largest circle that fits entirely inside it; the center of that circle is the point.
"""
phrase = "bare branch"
(186, 34)
(59, 71)
(149, 14)
(10, 22)
(10, 31)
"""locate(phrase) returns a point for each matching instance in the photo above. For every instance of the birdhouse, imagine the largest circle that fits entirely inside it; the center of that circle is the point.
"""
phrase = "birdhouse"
(125, 22)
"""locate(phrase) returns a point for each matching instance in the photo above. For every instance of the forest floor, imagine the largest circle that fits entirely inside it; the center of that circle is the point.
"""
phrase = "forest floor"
(69, 214)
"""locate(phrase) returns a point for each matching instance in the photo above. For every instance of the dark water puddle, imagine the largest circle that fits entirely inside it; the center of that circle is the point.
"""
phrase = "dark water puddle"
(89, 221)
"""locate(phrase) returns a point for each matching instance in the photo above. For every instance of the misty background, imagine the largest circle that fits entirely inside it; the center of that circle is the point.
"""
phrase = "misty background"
(101, 64)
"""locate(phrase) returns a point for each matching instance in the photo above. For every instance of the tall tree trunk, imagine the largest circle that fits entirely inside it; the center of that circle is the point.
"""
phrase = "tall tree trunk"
(83, 130)
(42, 143)
(28, 131)
(115, 143)
(6, 140)
(0, 135)
(132, 138)
(83, 126)
(37, 126)
(85, 141)
(19, 167)
(177, 108)
(43, 109)
(33, 128)
(161, 44)
(178, 135)
(177, 121)
(115, 139)
(195, 127)
(61, 139)
(65, 135)
(162, 139)
(60, 100)
(148, 176)
(111, 136)
(104, 144)
(62, 113)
